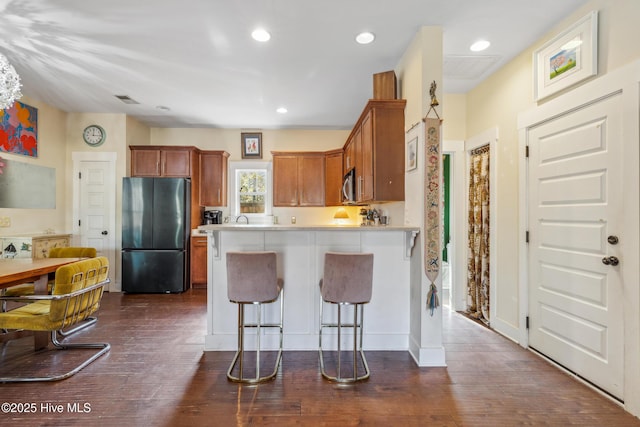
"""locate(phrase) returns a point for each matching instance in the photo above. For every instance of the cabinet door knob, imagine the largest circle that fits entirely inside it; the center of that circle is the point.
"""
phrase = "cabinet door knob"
(104, 233)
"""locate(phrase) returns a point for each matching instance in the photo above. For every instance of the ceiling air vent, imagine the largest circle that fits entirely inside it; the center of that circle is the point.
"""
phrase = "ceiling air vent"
(126, 99)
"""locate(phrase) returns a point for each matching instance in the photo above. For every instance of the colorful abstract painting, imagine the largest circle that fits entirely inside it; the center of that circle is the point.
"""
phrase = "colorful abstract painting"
(19, 130)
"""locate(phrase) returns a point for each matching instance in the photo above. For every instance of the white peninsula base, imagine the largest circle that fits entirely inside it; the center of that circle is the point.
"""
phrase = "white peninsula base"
(300, 263)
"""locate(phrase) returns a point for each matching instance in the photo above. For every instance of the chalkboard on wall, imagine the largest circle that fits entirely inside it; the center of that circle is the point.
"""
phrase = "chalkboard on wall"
(27, 186)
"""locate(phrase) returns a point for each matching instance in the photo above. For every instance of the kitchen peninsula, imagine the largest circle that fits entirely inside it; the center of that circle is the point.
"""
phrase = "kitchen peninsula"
(301, 252)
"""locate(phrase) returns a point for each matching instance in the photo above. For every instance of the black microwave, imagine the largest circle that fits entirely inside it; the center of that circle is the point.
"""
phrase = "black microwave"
(349, 187)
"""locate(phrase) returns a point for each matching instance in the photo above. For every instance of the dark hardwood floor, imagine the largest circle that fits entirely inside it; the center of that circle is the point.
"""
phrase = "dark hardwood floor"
(157, 375)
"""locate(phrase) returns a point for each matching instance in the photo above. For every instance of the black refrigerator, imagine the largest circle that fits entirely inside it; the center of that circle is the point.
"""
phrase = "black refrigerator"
(155, 234)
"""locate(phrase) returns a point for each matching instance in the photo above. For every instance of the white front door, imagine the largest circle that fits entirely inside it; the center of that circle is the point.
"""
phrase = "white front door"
(575, 209)
(95, 203)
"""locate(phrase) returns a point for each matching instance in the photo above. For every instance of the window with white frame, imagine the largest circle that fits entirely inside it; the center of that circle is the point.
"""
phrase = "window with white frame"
(251, 188)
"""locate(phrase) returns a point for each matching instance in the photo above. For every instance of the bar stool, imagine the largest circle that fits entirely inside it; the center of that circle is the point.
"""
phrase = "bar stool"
(347, 280)
(252, 279)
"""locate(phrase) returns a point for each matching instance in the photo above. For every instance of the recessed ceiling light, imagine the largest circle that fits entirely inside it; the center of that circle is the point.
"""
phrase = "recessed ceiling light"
(480, 45)
(282, 110)
(365, 37)
(261, 35)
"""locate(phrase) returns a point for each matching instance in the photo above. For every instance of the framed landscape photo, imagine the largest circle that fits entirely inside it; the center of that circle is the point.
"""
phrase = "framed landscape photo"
(567, 59)
(251, 145)
(412, 154)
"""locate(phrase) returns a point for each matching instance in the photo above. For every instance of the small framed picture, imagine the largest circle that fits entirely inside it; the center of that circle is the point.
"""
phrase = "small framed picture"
(412, 154)
(251, 145)
(567, 59)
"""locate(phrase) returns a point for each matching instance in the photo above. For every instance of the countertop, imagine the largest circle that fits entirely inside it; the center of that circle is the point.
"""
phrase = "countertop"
(294, 227)
(34, 235)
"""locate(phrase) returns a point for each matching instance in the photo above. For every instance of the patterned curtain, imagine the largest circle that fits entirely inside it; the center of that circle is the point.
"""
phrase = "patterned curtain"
(478, 262)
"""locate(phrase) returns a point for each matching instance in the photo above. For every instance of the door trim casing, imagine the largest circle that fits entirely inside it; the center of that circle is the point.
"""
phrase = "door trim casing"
(625, 80)
(488, 137)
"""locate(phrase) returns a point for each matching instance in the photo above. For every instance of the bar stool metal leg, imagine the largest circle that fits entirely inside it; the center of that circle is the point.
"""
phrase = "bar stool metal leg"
(238, 358)
(357, 344)
(347, 281)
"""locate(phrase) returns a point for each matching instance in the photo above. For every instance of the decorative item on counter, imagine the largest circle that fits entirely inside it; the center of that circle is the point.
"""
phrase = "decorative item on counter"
(341, 213)
(370, 217)
(341, 216)
(363, 213)
(10, 251)
(375, 216)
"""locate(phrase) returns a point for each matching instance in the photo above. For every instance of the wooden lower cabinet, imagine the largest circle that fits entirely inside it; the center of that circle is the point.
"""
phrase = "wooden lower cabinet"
(198, 261)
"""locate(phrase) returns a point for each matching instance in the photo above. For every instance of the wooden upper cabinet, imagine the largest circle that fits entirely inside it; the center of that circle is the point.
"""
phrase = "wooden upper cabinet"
(298, 179)
(175, 163)
(213, 178)
(145, 162)
(366, 158)
(356, 151)
(377, 146)
(285, 180)
(311, 180)
(348, 157)
(333, 174)
(169, 161)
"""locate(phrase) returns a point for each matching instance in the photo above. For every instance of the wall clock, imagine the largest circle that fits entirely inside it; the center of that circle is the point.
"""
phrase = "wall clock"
(94, 135)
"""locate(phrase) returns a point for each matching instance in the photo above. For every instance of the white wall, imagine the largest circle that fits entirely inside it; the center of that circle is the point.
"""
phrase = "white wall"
(498, 101)
(51, 153)
(420, 65)
(272, 140)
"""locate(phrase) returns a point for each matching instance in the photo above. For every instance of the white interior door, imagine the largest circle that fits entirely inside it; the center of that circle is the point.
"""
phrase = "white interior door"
(575, 208)
(96, 207)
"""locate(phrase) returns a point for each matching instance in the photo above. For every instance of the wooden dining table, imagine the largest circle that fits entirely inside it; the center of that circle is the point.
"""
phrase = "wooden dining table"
(16, 271)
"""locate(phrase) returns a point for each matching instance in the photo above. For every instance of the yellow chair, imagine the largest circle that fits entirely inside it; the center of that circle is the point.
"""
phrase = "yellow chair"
(77, 292)
(29, 289)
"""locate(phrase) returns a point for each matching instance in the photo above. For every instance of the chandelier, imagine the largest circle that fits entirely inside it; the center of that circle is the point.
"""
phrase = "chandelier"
(9, 84)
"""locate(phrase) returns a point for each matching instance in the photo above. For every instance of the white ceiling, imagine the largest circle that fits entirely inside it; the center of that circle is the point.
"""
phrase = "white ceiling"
(197, 57)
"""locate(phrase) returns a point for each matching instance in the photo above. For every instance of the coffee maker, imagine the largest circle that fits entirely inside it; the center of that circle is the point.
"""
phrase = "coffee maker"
(212, 217)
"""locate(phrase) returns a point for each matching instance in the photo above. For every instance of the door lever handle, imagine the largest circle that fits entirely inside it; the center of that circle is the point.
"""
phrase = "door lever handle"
(612, 260)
